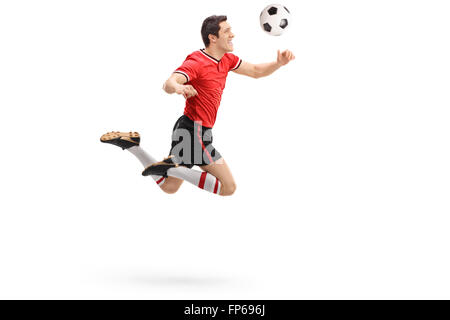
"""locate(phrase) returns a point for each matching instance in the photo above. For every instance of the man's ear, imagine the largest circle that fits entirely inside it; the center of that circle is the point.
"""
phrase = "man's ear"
(212, 38)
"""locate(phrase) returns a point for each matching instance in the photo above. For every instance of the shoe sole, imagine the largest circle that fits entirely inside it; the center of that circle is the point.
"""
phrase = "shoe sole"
(119, 135)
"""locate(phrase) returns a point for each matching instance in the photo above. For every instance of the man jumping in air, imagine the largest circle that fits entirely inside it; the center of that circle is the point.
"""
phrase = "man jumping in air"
(201, 80)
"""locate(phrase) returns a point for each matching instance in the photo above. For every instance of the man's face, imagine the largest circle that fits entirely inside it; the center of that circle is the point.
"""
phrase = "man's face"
(224, 41)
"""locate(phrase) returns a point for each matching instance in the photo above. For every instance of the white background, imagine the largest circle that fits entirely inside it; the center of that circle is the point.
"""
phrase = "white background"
(341, 158)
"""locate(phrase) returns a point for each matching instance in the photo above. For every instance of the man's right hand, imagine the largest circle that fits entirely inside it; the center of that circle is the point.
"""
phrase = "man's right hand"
(187, 91)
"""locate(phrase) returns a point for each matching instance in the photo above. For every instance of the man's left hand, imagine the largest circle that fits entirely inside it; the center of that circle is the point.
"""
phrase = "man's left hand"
(285, 57)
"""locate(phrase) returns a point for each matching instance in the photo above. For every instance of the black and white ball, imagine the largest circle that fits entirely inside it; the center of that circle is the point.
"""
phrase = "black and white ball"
(275, 19)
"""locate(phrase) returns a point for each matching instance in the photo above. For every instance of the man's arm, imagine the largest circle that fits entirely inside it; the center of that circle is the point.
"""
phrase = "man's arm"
(265, 69)
(176, 84)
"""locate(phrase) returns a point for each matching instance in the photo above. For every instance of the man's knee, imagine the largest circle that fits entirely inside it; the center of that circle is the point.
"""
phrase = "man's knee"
(170, 188)
(228, 189)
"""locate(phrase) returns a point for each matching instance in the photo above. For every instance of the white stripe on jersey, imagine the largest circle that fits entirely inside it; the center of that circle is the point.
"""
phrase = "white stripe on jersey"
(237, 64)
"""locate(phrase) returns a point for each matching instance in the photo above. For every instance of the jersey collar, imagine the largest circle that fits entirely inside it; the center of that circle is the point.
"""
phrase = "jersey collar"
(208, 56)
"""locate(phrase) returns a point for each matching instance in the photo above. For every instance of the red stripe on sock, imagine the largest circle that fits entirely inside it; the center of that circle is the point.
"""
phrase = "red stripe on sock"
(160, 180)
(201, 184)
(216, 186)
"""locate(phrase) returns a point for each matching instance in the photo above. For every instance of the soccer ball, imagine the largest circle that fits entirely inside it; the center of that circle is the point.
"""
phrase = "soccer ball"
(274, 19)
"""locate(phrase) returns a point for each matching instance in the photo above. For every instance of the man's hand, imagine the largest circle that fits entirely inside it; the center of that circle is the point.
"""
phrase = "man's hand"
(176, 84)
(187, 91)
(284, 57)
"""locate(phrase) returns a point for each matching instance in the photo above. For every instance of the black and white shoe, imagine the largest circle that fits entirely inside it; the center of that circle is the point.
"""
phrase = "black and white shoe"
(124, 140)
(160, 168)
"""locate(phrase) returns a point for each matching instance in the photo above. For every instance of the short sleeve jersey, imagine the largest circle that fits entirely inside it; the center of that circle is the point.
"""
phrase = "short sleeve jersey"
(208, 76)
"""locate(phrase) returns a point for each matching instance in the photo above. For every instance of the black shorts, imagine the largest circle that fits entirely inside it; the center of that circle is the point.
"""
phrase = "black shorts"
(192, 144)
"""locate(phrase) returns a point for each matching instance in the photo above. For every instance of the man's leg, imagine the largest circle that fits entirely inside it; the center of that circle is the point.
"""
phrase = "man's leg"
(168, 167)
(216, 177)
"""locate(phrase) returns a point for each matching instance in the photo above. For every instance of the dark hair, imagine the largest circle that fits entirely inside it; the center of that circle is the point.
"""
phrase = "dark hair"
(211, 26)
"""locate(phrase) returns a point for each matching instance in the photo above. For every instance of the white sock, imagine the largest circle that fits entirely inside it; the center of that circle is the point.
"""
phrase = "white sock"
(146, 160)
(203, 180)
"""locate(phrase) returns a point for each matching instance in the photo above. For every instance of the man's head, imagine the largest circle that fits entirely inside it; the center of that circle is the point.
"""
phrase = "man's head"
(217, 32)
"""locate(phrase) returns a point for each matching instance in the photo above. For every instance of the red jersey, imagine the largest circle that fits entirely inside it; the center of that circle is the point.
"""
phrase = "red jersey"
(208, 76)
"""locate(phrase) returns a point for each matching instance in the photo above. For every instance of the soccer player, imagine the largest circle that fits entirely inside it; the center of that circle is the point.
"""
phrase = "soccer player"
(201, 80)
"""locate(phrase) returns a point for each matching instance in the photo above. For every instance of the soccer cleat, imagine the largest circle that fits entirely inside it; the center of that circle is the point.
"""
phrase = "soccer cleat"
(124, 140)
(160, 168)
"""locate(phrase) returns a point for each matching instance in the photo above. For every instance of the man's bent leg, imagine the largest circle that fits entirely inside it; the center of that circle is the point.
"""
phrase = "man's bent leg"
(203, 180)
